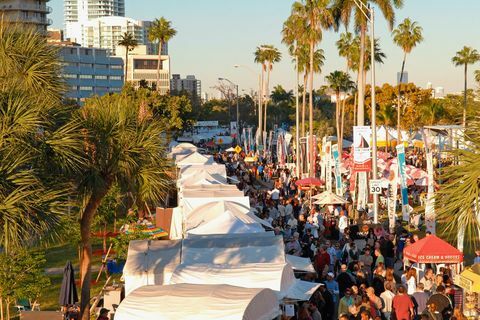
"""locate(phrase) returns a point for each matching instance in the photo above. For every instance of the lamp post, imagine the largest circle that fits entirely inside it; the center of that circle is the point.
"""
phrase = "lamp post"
(259, 93)
(368, 12)
(238, 98)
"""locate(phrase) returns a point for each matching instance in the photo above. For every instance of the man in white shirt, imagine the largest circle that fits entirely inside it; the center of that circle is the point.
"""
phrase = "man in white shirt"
(387, 298)
(275, 195)
(292, 222)
(342, 224)
(289, 209)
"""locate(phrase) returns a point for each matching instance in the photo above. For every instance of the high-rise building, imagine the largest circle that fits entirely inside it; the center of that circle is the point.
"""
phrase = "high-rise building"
(142, 68)
(404, 77)
(84, 10)
(90, 71)
(189, 84)
(28, 12)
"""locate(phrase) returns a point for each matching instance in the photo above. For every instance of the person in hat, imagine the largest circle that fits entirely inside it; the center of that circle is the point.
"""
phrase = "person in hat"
(103, 315)
(332, 286)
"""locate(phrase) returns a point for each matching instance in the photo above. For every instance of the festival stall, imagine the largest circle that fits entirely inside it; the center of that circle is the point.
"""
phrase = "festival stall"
(469, 281)
(210, 168)
(199, 302)
(194, 158)
(201, 178)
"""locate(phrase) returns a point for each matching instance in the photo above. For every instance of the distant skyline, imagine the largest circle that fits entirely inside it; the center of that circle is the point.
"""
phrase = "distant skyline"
(215, 35)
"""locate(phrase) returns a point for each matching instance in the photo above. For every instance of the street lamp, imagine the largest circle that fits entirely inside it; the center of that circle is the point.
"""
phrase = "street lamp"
(368, 12)
(238, 98)
(258, 94)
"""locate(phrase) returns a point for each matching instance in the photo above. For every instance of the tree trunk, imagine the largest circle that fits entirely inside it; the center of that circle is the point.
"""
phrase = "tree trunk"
(361, 80)
(8, 308)
(465, 98)
(260, 108)
(126, 64)
(342, 119)
(160, 46)
(386, 138)
(399, 106)
(1, 308)
(310, 112)
(337, 117)
(85, 262)
(304, 101)
(269, 66)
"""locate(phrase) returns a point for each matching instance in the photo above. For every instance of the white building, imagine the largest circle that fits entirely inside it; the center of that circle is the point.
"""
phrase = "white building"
(189, 84)
(28, 12)
(142, 68)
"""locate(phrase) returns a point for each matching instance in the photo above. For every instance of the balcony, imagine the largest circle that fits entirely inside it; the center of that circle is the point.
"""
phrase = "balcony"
(36, 20)
(26, 7)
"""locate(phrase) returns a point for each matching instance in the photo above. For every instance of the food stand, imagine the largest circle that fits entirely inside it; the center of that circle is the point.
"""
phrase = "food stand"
(469, 281)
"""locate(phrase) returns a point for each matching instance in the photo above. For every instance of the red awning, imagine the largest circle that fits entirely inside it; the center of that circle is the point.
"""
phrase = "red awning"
(432, 249)
(308, 182)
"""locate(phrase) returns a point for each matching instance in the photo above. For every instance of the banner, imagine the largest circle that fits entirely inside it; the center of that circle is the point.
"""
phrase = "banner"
(362, 159)
(430, 203)
(233, 128)
(362, 190)
(281, 150)
(323, 161)
(338, 176)
(402, 176)
(244, 140)
(258, 138)
(328, 165)
(392, 198)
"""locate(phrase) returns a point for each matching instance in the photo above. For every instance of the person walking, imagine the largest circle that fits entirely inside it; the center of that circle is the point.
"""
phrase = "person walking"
(403, 305)
(420, 298)
(387, 297)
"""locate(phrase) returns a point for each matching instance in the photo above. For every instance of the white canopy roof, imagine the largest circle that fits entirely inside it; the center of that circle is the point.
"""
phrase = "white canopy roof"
(201, 177)
(299, 263)
(221, 217)
(328, 197)
(194, 158)
(210, 168)
(182, 148)
(193, 199)
(198, 302)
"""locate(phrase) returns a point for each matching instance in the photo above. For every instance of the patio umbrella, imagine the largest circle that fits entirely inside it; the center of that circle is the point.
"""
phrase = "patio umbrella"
(328, 197)
(308, 182)
(68, 290)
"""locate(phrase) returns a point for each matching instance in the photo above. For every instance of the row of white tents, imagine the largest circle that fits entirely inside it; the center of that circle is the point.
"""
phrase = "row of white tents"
(221, 262)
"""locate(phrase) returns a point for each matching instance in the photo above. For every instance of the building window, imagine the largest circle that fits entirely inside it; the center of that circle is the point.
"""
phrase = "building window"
(116, 67)
(115, 77)
(101, 66)
(85, 76)
(70, 76)
(101, 77)
(86, 65)
(74, 88)
(146, 64)
(86, 88)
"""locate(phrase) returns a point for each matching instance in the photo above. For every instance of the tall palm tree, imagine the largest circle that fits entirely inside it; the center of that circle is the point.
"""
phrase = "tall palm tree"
(339, 82)
(464, 57)
(343, 12)
(346, 48)
(123, 147)
(318, 16)
(129, 42)
(407, 36)
(36, 146)
(162, 31)
(432, 112)
(272, 55)
(386, 117)
(261, 59)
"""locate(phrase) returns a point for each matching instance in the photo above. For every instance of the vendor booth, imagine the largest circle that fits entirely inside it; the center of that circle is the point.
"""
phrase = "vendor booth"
(469, 281)
(432, 249)
(199, 302)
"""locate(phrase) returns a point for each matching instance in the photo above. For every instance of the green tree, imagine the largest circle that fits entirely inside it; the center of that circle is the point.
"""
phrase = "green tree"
(129, 42)
(318, 16)
(262, 60)
(271, 55)
(123, 144)
(432, 112)
(463, 58)
(477, 76)
(407, 36)
(343, 10)
(162, 31)
(37, 141)
(339, 82)
(386, 117)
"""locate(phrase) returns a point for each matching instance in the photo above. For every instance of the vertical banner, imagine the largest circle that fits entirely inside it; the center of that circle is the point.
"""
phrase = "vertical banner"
(323, 161)
(430, 204)
(328, 165)
(338, 176)
(362, 190)
(402, 176)
(392, 197)
(362, 159)
(244, 139)
(233, 129)
(281, 150)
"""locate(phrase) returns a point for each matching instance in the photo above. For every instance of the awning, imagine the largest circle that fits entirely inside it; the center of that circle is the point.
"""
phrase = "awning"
(469, 279)
(432, 249)
(299, 263)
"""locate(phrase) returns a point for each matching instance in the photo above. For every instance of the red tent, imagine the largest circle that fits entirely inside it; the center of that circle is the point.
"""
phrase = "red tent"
(432, 249)
(307, 182)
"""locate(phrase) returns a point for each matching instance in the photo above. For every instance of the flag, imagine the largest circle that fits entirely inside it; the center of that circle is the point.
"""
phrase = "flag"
(402, 176)
(338, 176)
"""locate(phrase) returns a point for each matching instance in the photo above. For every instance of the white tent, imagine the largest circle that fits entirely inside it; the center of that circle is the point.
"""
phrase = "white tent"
(328, 197)
(202, 177)
(299, 263)
(199, 302)
(182, 148)
(276, 276)
(219, 218)
(150, 262)
(194, 158)
(192, 199)
(218, 169)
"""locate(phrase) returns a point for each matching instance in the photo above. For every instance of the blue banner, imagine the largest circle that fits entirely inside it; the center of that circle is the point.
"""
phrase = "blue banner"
(402, 175)
(338, 176)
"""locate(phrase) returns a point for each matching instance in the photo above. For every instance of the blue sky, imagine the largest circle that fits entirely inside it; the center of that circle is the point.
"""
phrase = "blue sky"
(214, 35)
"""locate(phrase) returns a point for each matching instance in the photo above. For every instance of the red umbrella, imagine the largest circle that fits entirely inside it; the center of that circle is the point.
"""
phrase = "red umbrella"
(432, 249)
(309, 182)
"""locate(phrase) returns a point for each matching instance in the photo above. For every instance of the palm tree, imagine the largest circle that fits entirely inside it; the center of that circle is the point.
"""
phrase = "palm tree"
(36, 146)
(386, 117)
(407, 35)
(343, 12)
(457, 201)
(477, 76)
(272, 55)
(162, 31)
(123, 146)
(261, 59)
(464, 57)
(318, 16)
(129, 42)
(432, 112)
(345, 47)
(339, 82)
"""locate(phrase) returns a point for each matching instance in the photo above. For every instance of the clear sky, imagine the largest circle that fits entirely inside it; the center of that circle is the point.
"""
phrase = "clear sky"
(214, 35)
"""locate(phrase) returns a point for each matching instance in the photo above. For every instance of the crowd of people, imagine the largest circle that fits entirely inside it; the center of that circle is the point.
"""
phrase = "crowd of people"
(359, 265)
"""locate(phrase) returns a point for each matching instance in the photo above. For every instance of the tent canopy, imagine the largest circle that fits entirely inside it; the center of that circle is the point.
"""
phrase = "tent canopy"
(210, 168)
(299, 263)
(221, 217)
(198, 302)
(201, 177)
(194, 158)
(432, 249)
(328, 197)
(192, 199)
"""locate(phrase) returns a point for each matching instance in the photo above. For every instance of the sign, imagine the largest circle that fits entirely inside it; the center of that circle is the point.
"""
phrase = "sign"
(392, 198)
(362, 190)
(206, 124)
(362, 159)
(238, 149)
(375, 186)
(233, 128)
(328, 165)
(338, 175)
(402, 176)
(430, 203)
